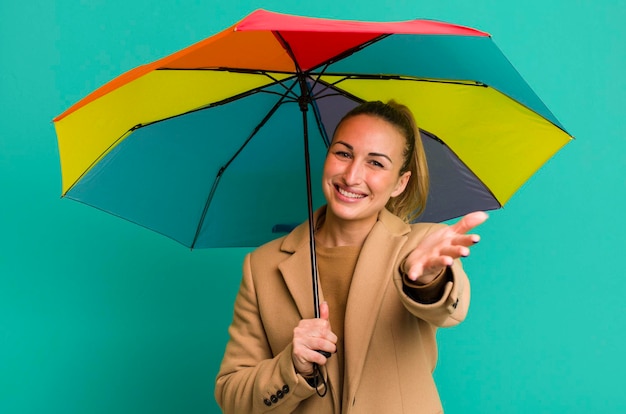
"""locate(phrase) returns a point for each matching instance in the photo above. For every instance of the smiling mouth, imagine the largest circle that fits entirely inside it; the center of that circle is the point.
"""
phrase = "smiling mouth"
(348, 193)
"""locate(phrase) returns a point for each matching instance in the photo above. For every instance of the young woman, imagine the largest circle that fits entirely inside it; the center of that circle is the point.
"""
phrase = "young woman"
(385, 286)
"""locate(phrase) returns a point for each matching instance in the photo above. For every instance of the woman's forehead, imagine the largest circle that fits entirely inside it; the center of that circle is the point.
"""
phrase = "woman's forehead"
(369, 131)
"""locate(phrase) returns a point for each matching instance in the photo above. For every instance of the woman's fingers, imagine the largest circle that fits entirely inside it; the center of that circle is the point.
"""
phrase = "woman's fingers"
(469, 221)
(310, 337)
(440, 248)
(467, 240)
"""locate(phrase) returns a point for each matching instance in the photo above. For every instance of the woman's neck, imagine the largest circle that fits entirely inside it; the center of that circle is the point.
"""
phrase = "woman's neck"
(334, 233)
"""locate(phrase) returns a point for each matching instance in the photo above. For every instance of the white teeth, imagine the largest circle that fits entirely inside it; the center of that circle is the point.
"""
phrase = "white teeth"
(349, 194)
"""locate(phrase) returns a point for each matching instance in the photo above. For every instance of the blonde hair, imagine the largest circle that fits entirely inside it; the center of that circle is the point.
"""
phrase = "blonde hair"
(411, 202)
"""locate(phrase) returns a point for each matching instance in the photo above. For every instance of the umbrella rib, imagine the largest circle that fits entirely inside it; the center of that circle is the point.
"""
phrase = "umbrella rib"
(249, 71)
(225, 166)
(460, 160)
(129, 220)
(317, 79)
(260, 125)
(320, 128)
(337, 92)
(316, 112)
(246, 71)
(99, 158)
(352, 76)
(260, 89)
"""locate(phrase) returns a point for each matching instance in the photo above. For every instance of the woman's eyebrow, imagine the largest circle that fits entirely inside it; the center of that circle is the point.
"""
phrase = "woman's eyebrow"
(378, 154)
(350, 147)
(371, 154)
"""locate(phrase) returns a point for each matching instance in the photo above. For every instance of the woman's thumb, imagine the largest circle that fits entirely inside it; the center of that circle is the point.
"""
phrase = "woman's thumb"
(324, 311)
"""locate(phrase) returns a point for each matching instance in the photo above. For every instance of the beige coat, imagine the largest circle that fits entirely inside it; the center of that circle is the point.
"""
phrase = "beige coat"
(390, 346)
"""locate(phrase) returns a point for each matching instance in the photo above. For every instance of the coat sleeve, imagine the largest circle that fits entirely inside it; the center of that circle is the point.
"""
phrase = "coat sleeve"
(449, 310)
(251, 379)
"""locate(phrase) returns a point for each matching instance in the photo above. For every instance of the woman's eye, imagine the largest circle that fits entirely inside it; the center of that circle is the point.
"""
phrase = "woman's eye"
(342, 154)
(376, 164)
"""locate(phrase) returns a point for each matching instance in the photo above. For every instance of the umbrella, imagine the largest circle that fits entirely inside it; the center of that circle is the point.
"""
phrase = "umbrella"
(205, 146)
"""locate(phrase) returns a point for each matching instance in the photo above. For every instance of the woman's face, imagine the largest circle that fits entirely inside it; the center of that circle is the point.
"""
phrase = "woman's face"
(362, 168)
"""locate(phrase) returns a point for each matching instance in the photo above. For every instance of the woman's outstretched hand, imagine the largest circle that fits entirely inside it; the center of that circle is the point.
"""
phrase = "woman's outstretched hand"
(439, 249)
(309, 337)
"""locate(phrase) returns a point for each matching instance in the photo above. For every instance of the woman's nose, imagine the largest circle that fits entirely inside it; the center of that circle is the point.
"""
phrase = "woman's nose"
(353, 174)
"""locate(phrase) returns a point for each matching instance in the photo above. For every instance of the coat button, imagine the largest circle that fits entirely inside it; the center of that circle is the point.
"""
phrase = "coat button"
(267, 402)
(280, 394)
(286, 389)
(274, 399)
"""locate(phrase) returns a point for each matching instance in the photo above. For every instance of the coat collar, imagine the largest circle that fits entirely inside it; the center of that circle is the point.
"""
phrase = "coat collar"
(299, 237)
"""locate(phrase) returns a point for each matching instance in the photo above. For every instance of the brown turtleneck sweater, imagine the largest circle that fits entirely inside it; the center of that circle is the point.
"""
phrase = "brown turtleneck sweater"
(336, 267)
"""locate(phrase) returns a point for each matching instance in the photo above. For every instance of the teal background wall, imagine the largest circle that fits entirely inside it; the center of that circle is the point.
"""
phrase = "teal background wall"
(100, 316)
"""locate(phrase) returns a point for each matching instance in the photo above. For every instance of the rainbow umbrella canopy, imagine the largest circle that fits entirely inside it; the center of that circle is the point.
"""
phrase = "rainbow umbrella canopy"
(210, 146)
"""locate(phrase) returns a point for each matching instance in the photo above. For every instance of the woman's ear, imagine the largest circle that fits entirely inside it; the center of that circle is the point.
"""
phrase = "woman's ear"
(402, 183)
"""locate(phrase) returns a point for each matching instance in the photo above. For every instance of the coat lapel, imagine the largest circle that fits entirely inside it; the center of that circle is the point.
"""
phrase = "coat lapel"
(296, 270)
(369, 283)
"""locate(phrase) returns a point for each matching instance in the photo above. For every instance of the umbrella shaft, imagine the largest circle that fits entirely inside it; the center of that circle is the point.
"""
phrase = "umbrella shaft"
(309, 194)
(303, 102)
